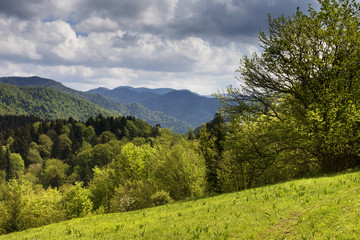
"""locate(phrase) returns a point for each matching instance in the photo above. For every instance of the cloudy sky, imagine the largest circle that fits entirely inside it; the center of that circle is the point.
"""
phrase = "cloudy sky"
(192, 44)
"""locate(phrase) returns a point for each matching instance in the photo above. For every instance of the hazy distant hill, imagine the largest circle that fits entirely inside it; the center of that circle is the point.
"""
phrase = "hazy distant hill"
(185, 105)
(181, 104)
(133, 109)
(127, 94)
(46, 103)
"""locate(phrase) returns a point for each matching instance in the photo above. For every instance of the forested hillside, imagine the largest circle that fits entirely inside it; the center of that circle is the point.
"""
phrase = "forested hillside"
(45, 103)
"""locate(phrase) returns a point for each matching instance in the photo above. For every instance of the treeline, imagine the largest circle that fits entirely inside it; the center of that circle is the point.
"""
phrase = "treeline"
(53, 170)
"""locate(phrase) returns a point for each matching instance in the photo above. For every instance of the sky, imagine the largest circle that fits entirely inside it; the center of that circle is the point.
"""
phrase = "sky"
(181, 44)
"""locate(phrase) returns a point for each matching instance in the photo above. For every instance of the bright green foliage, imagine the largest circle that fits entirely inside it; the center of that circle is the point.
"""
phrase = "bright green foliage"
(41, 207)
(13, 204)
(137, 173)
(180, 170)
(131, 176)
(123, 184)
(102, 188)
(116, 176)
(132, 162)
(76, 201)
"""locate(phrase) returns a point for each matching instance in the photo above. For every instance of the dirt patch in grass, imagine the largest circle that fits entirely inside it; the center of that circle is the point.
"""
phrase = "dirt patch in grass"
(283, 227)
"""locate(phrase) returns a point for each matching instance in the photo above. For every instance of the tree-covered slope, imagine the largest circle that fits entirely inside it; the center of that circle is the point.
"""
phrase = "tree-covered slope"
(318, 208)
(45, 103)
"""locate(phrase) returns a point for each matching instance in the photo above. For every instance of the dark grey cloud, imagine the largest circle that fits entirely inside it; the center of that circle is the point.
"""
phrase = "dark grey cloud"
(25, 9)
(130, 14)
(125, 9)
(233, 19)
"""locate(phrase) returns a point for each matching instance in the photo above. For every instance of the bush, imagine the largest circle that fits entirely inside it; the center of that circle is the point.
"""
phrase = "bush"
(161, 198)
(132, 196)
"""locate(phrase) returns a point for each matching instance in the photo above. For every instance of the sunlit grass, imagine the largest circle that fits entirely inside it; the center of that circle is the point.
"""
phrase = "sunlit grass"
(318, 208)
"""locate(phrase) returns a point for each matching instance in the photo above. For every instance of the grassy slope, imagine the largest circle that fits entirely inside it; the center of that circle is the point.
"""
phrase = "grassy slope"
(318, 208)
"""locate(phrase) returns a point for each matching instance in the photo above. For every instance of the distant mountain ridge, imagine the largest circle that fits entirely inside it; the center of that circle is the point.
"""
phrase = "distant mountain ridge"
(177, 109)
(159, 91)
(182, 104)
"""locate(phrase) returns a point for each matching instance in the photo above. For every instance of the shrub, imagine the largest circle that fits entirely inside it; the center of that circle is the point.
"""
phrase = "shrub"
(161, 198)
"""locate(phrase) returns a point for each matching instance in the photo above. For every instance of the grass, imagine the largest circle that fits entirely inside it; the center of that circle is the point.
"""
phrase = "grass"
(317, 208)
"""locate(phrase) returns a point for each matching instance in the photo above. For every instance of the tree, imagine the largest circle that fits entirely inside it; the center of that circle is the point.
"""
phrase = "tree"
(16, 166)
(132, 163)
(106, 137)
(102, 188)
(100, 155)
(45, 145)
(76, 201)
(180, 169)
(308, 77)
(62, 147)
(212, 136)
(89, 133)
(54, 173)
(34, 156)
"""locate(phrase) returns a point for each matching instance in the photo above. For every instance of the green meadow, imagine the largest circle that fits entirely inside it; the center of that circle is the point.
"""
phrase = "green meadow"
(316, 208)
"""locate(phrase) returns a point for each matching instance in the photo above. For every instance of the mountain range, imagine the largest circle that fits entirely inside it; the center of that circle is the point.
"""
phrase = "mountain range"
(176, 109)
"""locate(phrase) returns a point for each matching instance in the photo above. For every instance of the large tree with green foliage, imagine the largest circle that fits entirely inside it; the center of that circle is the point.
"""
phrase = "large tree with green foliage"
(307, 77)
